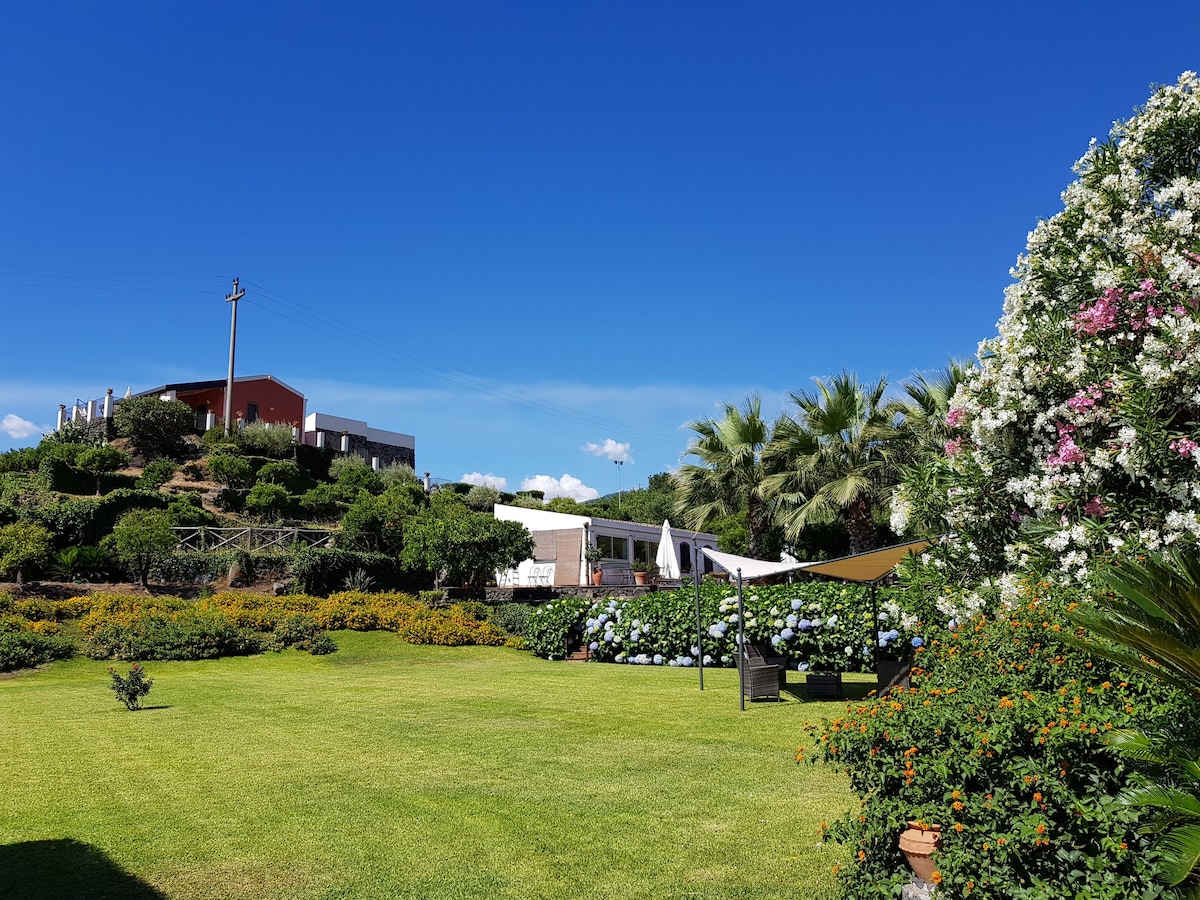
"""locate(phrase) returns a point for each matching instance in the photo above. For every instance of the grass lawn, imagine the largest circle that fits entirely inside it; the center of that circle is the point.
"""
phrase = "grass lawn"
(388, 770)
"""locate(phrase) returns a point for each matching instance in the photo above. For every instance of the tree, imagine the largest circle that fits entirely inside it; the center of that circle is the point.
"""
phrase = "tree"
(98, 460)
(23, 544)
(378, 522)
(729, 475)
(141, 538)
(835, 460)
(482, 498)
(154, 427)
(1079, 431)
(921, 503)
(460, 546)
(268, 501)
(231, 471)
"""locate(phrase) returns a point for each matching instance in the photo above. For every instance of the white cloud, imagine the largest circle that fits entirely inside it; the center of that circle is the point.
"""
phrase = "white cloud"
(488, 480)
(567, 486)
(17, 428)
(610, 449)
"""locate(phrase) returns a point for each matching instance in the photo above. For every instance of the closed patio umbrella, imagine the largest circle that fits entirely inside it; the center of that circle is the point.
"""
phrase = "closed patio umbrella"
(667, 559)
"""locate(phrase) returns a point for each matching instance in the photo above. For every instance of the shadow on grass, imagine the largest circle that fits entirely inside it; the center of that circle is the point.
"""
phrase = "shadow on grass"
(851, 690)
(66, 870)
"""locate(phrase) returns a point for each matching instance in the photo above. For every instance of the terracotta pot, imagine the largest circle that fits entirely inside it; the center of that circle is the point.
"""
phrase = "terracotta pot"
(918, 845)
(640, 577)
(598, 577)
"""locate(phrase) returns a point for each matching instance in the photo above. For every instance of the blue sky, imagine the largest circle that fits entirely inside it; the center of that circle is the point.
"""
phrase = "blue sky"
(537, 236)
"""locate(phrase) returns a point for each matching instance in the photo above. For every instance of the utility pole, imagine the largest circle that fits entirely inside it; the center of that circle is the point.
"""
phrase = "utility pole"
(618, 463)
(233, 298)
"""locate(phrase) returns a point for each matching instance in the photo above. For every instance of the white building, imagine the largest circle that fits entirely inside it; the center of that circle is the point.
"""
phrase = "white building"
(561, 539)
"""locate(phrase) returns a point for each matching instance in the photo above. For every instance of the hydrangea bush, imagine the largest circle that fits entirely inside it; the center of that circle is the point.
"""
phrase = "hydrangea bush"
(1078, 434)
(816, 626)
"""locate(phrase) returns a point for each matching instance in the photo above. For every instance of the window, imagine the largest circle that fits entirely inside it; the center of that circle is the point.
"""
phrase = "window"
(612, 547)
(645, 551)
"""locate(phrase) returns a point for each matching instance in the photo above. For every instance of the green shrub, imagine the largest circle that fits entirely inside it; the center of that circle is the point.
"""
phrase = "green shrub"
(512, 617)
(131, 688)
(23, 648)
(286, 474)
(141, 538)
(231, 471)
(322, 571)
(81, 564)
(187, 509)
(169, 629)
(79, 521)
(59, 475)
(156, 473)
(1001, 741)
(268, 501)
(352, 472)
(550, 627)
(300, 632)
(155, 427)
(275, 441)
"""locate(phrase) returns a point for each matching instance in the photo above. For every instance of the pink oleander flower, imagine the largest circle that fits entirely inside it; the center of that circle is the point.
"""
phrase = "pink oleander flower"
(1095, 507)
(1086, 398)
(954, 447)
(955, 417)
(1185, 447)
(1101, 315)
(1068, 452)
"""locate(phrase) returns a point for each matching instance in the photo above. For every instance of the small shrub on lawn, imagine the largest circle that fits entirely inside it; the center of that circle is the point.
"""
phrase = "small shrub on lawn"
(131, 688)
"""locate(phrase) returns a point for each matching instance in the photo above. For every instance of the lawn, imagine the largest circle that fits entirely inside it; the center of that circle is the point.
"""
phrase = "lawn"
(390, 770)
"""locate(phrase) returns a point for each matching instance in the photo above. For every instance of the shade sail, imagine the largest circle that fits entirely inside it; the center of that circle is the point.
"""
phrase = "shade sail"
(861, 567)
(667, 559)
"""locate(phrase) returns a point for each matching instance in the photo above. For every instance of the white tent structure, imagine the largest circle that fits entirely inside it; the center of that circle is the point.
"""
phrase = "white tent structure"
(864, 568)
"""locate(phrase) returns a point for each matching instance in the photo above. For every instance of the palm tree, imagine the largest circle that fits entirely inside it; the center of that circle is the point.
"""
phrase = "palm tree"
(923, 432)
(922, 414)
(728, 476)
(1152, 625)
(834, 460)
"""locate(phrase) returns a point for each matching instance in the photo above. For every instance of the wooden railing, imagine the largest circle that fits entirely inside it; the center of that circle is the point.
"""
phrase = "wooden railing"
(204, 537)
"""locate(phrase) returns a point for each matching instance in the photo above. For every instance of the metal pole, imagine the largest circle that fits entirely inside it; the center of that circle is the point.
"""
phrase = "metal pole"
(231, 298)
(741, 644)
(875, 619)
(699, 641)
(619, 463)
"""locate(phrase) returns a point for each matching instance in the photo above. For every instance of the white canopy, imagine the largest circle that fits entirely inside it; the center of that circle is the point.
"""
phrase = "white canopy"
(861, 567)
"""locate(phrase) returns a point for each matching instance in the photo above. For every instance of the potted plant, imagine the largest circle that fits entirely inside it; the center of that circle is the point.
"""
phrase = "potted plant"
(642, 571)
(593, 556)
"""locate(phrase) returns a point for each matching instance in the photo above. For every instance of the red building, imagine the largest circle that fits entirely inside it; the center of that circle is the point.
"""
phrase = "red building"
(256, 398)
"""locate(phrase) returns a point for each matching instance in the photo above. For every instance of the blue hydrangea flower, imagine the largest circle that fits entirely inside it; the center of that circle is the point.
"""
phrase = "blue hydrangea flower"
(775, 639)
(802, 667)
(804, 624)
(792, 620)
(658, 659)
(796, 604)
(832, 620)
(787, 634)
(918, 642)
(594, 645)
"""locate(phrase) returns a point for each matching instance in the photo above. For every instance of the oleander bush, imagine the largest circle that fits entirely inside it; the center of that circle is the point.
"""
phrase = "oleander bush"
(1001, 741)
(512, 617)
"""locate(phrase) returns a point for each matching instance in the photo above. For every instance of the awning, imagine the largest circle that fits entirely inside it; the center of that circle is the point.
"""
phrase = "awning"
(861, 567)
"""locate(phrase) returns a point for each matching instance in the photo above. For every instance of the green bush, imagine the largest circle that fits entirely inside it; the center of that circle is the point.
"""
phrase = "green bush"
(285, 474)
(79, 521)
(321, 571)
(81, 564)
(275, 441)
(187, 509)
(299, 632)
(131, 688)
(551, 627)
(1001, 741)
(268, 501)
(512, 617)
(22, 648)
(155, 427)
(164, 628)
(156, 473)
(231, 471)
(352, 472)
(59, 475)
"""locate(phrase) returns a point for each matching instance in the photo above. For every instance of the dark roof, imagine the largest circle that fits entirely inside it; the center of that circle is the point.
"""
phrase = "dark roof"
(188, 386)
